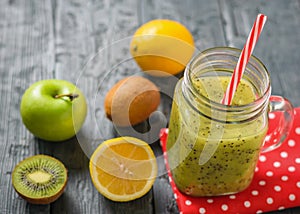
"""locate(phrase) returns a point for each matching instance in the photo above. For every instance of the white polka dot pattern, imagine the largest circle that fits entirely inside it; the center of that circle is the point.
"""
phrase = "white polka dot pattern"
(262, 183)
(270, 200)
(188, 202)
(202, 210)
(276, 164)
(291, 143)
(262, 158)
(247, 204)
(284, 154)
(271, 115)
(269, 173)
(224, 207)
(277, 188)
(292, 197)
(232, 197)
(210, 201)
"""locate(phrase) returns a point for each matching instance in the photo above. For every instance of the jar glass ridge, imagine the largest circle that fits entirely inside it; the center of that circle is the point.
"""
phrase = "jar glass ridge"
(211, 61)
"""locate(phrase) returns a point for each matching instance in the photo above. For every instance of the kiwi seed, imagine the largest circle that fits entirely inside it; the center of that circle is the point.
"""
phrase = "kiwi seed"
(40, 179)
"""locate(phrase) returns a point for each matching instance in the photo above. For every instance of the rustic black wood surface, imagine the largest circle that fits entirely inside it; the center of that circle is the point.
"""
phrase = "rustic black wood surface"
(55, 39)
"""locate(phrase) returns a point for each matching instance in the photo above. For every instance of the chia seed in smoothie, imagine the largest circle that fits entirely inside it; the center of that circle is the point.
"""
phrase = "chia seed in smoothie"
(230, 150)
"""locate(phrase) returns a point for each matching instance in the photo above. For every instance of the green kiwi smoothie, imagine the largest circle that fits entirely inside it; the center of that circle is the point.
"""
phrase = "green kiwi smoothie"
(207, 154)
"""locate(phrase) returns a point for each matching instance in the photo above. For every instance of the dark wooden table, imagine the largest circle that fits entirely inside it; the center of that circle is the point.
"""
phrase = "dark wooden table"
(55, 39)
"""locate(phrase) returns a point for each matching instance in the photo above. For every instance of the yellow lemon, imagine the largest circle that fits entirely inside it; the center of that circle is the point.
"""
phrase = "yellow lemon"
(162, 47)
(123, 168)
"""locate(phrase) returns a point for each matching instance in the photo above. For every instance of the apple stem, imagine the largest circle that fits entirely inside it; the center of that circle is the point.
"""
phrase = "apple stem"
(71, 96)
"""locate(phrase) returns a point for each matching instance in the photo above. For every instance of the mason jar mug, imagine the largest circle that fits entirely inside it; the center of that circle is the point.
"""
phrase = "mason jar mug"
(213, 148)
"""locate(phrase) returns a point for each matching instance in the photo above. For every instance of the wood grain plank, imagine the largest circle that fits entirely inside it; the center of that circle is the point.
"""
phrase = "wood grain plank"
(278, 40)
(26, 55)
(55, 39)
(82, 30)
(74, 44)
(283, 42)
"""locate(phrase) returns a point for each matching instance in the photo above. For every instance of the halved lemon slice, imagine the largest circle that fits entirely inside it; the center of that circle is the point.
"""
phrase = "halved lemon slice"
(123, 169)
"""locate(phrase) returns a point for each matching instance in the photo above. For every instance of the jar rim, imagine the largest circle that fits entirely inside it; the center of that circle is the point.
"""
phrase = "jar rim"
(233, 52)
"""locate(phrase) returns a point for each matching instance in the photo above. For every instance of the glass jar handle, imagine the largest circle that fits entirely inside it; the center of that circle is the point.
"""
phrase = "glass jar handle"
(282, 112)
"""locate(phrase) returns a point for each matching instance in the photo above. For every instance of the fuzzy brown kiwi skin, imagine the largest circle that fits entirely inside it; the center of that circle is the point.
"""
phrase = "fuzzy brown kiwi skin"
(45, 200)
(143, 94)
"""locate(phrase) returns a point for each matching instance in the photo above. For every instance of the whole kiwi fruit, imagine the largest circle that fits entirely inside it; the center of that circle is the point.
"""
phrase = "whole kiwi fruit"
(40, 179)
(131, 101)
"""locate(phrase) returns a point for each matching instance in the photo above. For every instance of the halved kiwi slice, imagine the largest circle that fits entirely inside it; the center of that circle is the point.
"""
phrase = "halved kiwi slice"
(40, 179)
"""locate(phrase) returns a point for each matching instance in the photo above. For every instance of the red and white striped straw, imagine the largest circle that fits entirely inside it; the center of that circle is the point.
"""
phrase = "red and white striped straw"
(244, 58)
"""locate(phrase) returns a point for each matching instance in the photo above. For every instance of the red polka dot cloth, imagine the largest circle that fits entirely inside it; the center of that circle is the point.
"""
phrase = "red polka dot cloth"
(275, 186)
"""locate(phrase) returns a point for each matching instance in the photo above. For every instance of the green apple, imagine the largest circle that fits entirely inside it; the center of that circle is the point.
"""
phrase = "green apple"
(53, 110)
